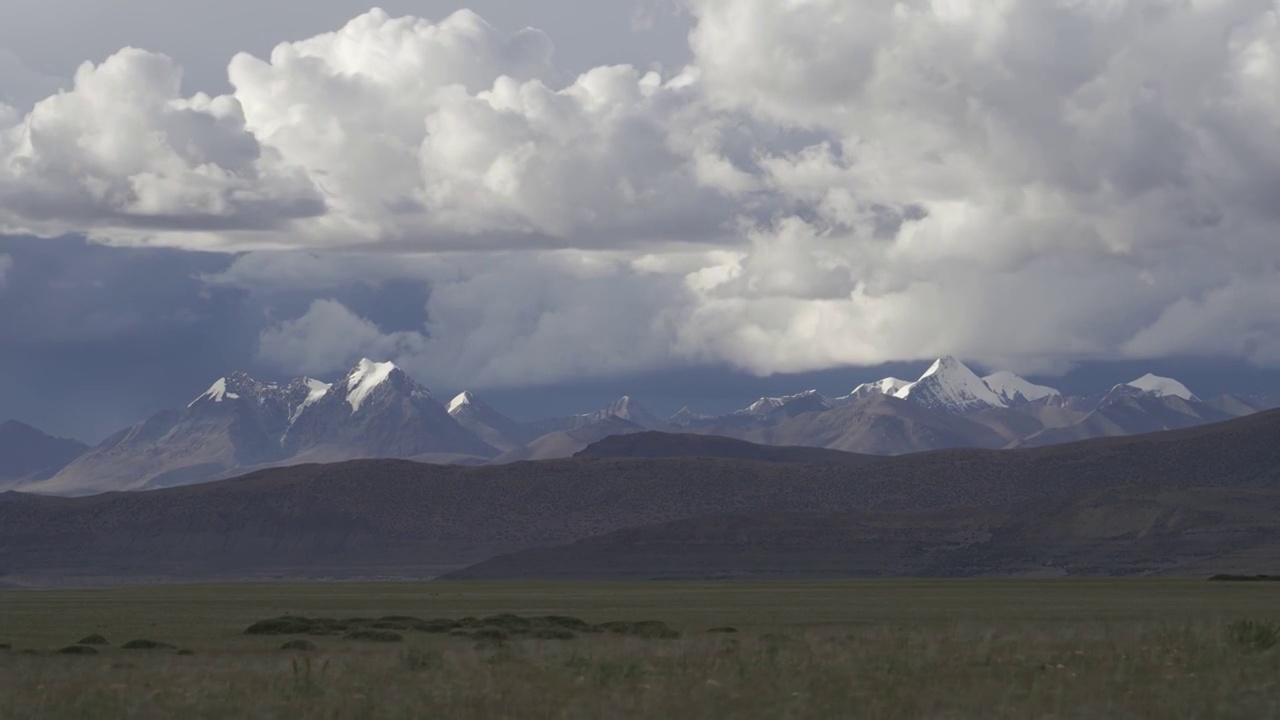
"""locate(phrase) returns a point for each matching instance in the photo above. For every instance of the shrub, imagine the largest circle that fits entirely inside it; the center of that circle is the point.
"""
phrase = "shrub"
(1253, 636)
(723, 630)
(186, 651)
(562, 621)
(648, 629)
(147, 645)
(439, 625)
(302, 645)
(78, 650)
(492, 634)
(508, 622)
(553, 633)
(94, 639)
(399, 622)
(5, 646)
(372, 635)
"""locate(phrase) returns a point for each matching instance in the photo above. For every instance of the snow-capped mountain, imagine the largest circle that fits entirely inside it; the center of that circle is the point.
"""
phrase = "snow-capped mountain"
(378, 411)
(624, 408)
(686, 417)
(375, 410)
(1162, 387)
(1013, 389)
(887, 386)
(951, 386)
(490, 425)
(790, 405)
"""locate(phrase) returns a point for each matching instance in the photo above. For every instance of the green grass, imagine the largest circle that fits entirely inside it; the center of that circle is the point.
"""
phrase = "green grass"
(891, 649)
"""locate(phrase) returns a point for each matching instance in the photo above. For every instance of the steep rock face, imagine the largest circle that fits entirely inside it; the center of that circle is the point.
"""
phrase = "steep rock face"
(378, 411)
(26, 452)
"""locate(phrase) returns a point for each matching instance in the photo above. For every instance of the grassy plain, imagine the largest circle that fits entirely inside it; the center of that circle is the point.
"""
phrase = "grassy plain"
(872, 649)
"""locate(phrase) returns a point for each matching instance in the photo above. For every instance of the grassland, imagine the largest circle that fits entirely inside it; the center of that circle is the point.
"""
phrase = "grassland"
(891, 649)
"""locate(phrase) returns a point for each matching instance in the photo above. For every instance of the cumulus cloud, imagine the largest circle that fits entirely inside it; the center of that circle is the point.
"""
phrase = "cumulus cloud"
(122, 149)
(829, 182)
(330, 337)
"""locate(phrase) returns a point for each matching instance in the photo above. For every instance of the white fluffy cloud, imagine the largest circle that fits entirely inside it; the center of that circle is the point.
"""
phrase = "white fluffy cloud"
(329, 337)
(829, 182)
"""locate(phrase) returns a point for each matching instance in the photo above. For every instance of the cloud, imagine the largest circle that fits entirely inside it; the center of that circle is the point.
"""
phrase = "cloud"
(328, 338)
(122, 150)
(1029, 184)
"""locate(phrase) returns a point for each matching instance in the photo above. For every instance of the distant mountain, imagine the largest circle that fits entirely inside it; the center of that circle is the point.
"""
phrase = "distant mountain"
(1127, 410)
(240, 423)
(624, 408)
(565, 443)
(488, 424)
(879, 425)
(785, 407)
(1198, 500)
(685, 417)
(27, 453)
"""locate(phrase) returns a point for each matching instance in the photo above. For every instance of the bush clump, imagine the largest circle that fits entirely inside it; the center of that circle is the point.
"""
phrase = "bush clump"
(373, 635)
(723, 630)
(299, 645)
(186, 651)
(5, 646)
(94, 639)
(1253, 636)
(553, 633)
(148, 645)
(648, 629)
(78, 650)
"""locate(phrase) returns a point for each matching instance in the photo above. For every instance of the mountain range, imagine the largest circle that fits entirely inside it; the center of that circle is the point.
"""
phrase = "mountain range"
(376, 410)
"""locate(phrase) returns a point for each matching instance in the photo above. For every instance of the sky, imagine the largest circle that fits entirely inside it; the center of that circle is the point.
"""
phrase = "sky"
(697, 201)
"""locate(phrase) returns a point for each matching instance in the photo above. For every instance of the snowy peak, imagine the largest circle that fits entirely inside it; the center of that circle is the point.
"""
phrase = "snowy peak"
(459, 403)
(303, 393)
(627, 408)
(1014, 389)
(686, 417)
(950, 385)
(364, 378)
(764, 407)
(217, 392)
(887, 386)
(1162, 387)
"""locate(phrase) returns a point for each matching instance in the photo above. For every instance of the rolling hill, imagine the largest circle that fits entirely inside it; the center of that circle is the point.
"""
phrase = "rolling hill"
(400, 518)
